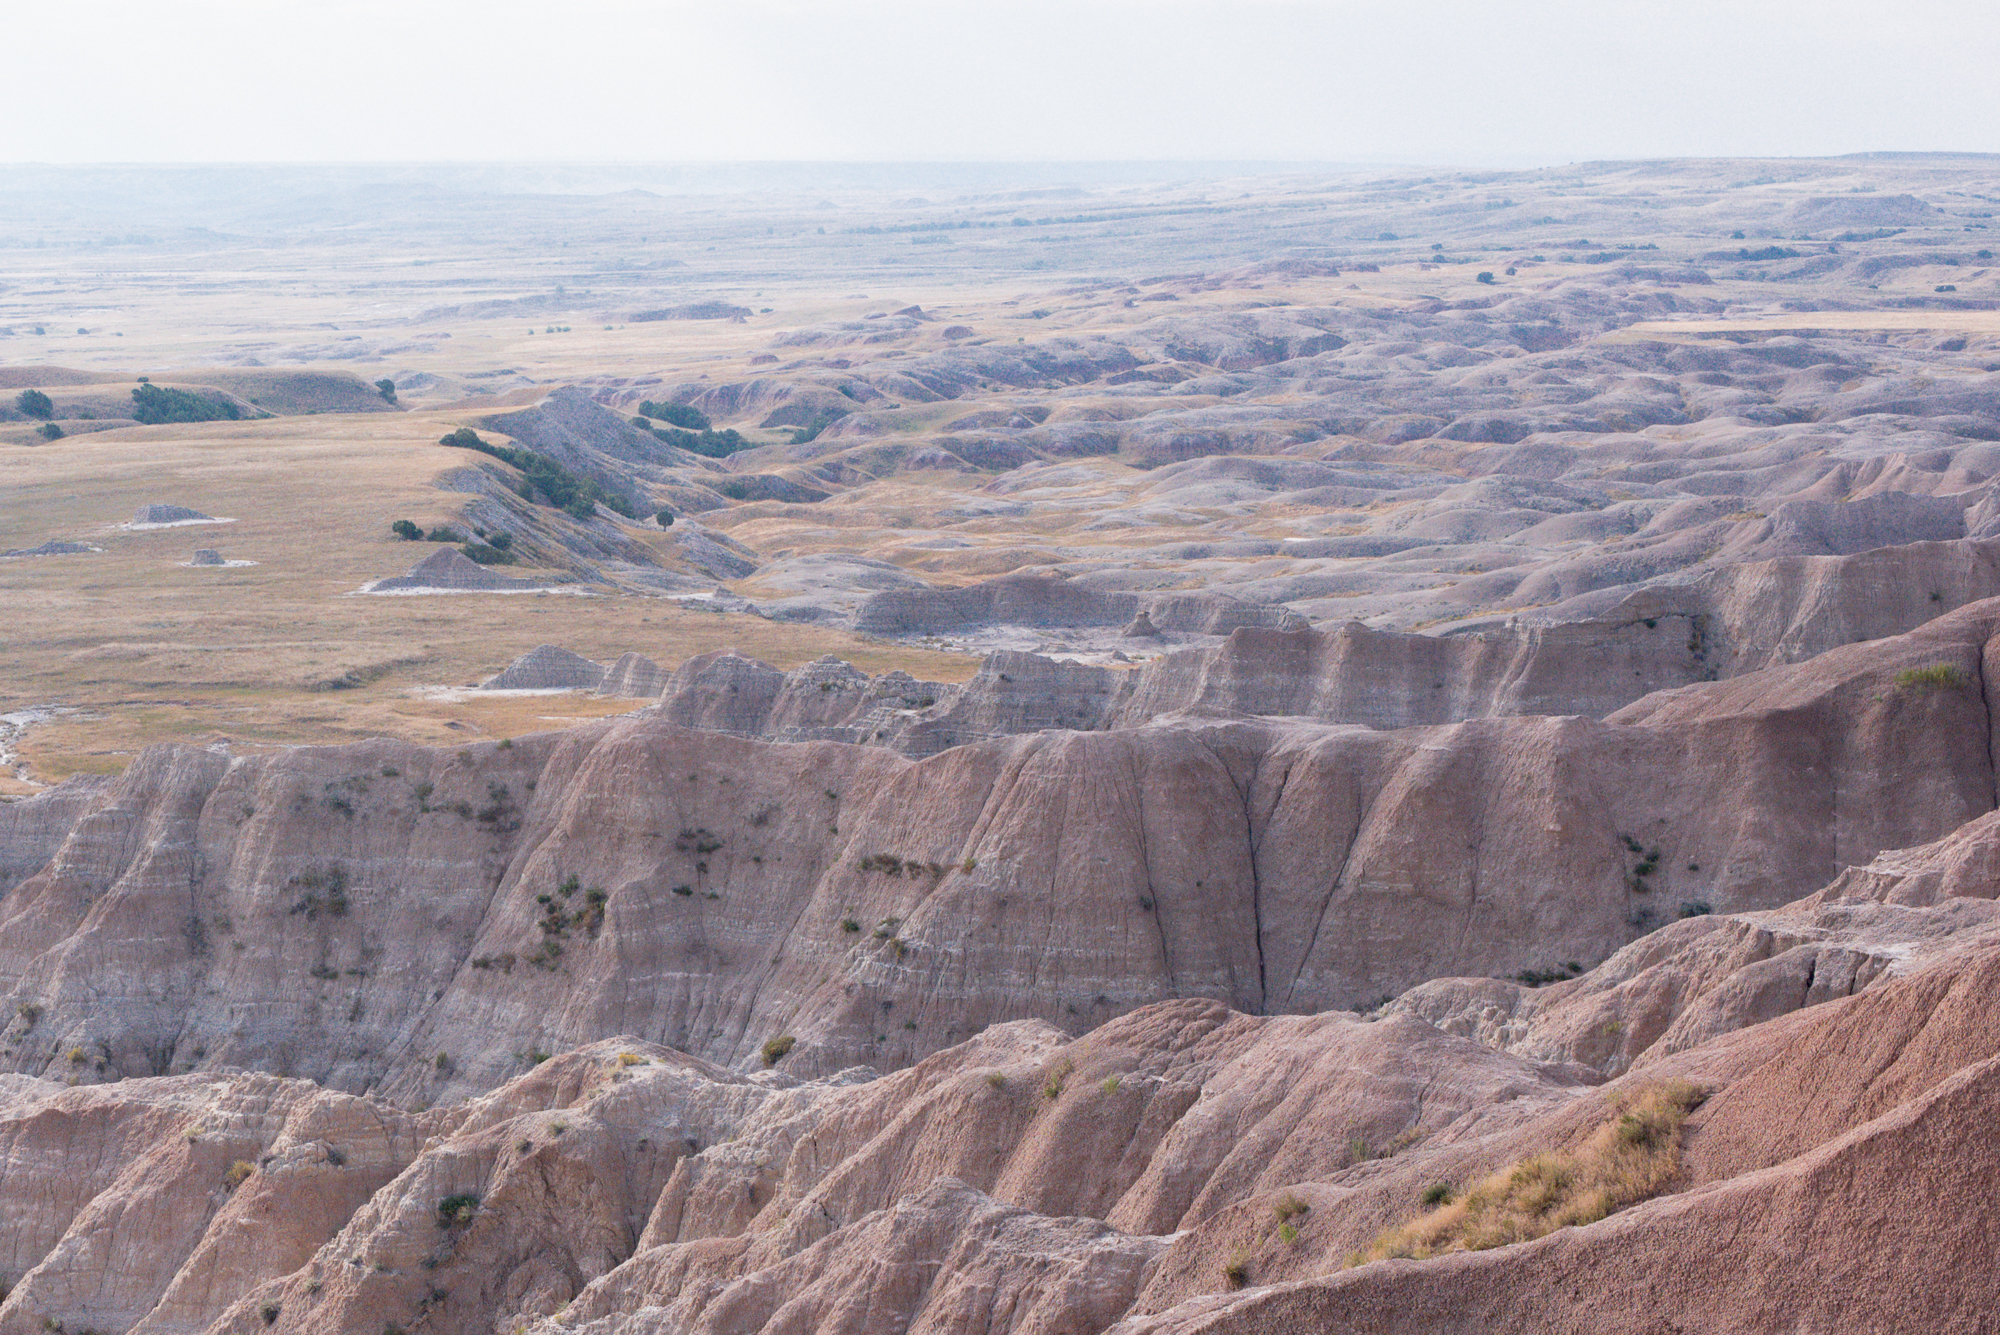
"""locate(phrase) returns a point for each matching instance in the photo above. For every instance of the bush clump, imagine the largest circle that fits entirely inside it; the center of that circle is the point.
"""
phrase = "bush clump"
(775, 1049)
(457, 1211)
(35, 404)
(407, 531)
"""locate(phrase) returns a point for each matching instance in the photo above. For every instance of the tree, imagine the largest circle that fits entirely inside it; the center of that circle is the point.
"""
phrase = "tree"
(407, 531)
(50, 431)
(1485, 275)
(35, 404)
(387, 389)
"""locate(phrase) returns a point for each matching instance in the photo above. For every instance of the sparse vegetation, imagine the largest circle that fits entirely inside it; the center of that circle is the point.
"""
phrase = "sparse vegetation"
(774, 1050)
(543, 479)
(1934, 677)
(238, 1173)
(1057, 1078)
(1633, 1155)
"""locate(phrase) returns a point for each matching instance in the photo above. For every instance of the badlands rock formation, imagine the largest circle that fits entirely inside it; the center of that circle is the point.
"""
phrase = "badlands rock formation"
(1477, 809)
(388, 905)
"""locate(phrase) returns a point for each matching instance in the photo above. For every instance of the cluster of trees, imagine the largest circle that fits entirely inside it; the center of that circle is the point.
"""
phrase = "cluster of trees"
(819, 423)
(543, 479)
(387, 389)
(677, 414)
(689, 429)
(154, 406)
(35, 404)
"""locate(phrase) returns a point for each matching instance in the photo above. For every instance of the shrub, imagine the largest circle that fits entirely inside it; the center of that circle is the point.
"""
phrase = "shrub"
(996, 1080)
(269, 1311)
(1436, 1194)
(775, 1049)
(488, 555)
(239, 1173)
(1628, 1158)
(35, 404)
(457, 1211)
(50, 431)
(1110, 1084)
(1485, 276)
(387, 389)
(1237, 1269)
(1289, 1206)
(665, 519)
(407, 531)
(1695, 908)
(1052, 1086)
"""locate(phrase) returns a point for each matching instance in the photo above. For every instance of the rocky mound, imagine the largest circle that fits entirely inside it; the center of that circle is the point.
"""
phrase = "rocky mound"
(52, 548)
(1048, 600)
(448, 570)
(166, 516)
(635, 676)
(207, 556)
(548, 668)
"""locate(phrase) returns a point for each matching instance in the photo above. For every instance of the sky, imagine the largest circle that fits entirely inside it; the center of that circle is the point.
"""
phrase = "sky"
(1449, 82)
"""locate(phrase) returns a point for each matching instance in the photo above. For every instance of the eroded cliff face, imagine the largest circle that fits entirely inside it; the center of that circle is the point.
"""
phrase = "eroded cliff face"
(1071, 1030)
(423, 922)
(1184, 1167)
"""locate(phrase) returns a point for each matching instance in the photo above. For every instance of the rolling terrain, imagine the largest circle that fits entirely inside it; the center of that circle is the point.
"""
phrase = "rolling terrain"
(1356, 751)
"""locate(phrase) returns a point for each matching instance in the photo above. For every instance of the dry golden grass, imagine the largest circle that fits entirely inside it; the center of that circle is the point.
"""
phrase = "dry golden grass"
(284, 651)
(1630, 1157)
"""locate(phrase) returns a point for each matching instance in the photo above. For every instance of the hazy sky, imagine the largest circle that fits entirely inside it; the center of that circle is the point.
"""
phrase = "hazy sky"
(1460, 82)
